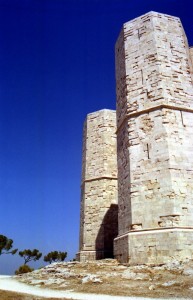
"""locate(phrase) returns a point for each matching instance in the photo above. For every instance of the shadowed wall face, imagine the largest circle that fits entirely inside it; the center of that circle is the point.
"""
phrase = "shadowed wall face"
(99, 217)
(107, 232)
(154, 140)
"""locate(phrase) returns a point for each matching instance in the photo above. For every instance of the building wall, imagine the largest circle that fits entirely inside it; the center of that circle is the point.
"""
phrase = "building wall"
(154, 84)
(99, 210)
(154, 140)
(151, 53)
(191, 54)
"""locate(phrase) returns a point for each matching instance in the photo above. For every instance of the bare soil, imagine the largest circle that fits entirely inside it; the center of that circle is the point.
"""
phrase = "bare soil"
(5, 295)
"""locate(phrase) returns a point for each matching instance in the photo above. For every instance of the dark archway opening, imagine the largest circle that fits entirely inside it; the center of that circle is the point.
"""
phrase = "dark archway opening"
(107, 232)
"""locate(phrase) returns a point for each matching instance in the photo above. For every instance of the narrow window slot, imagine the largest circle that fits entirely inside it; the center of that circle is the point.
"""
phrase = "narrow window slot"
(148, 151)
(182, 118)
(138, 34)
(142, 76)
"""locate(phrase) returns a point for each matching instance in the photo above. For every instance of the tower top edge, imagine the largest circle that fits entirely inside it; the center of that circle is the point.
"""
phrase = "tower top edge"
(152, 13)
(101, 111)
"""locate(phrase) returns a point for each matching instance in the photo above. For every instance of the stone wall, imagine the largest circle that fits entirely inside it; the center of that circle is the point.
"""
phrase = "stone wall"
(99, 210)
(154, 140)
(153, 221)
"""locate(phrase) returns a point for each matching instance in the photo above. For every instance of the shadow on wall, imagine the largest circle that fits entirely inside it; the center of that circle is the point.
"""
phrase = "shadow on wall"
(107, 232)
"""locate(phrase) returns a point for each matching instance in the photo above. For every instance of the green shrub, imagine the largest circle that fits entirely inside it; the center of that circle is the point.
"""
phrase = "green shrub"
(55, 256)
(23, 269)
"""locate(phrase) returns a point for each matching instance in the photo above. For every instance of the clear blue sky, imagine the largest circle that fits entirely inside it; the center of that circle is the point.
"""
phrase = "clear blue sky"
(56, 65)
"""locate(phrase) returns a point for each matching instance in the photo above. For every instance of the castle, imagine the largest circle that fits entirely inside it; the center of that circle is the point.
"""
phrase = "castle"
(137, 171)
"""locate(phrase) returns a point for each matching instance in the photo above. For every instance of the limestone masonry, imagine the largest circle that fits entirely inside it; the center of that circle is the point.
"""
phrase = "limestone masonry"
(154, 161)
(99, 220)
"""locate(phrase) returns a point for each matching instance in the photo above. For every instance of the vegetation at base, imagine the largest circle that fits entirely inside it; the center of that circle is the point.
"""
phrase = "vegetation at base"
(55, 256)
(23, 269)
(30, 255)
(5, 245)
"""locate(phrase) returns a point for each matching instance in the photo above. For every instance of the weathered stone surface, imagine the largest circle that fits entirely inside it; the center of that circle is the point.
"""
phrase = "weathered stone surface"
(99, 211)
(191, 54)
(110, 277)
(188, 272)
(91, 278)
(154, 84)
(154, 141)
(169, 283)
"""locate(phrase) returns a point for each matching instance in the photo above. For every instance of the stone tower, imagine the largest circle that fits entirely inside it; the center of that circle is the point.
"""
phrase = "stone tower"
(99, 211)
(154, 141)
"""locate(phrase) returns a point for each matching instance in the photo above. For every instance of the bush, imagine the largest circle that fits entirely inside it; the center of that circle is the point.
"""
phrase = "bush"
(23, 269)
(55, 256)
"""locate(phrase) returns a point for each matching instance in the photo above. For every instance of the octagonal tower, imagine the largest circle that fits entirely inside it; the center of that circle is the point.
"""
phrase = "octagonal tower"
(154, 141)
(99, 211)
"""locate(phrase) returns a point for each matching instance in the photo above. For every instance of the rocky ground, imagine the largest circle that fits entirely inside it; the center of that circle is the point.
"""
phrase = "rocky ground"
(171, 280)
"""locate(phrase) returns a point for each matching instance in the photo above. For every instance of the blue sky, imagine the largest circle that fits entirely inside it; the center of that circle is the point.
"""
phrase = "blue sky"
(56, 65)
